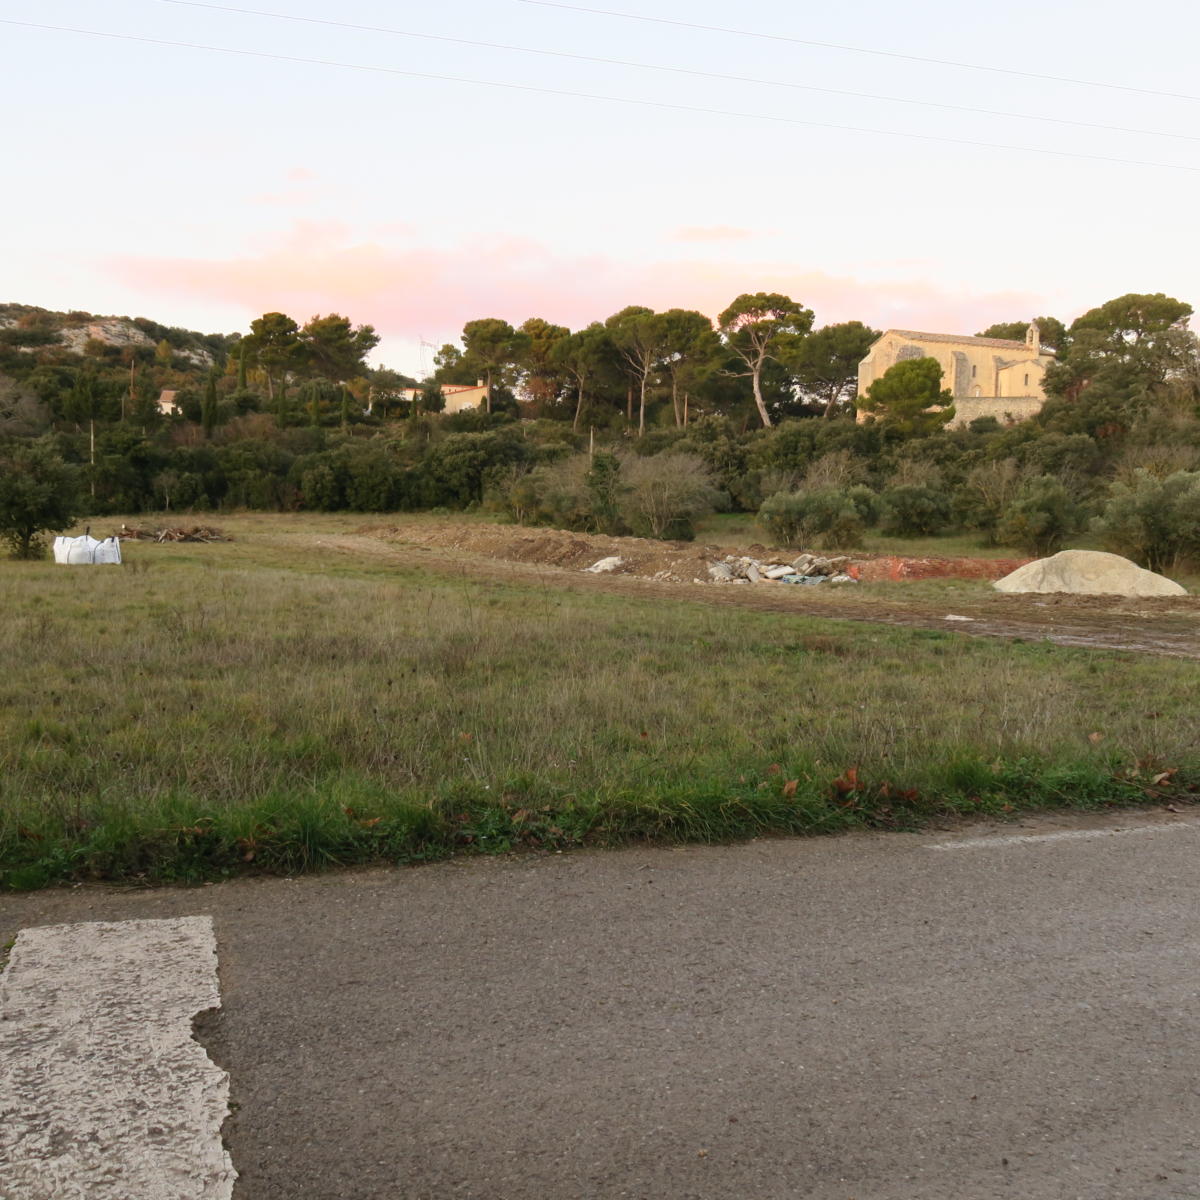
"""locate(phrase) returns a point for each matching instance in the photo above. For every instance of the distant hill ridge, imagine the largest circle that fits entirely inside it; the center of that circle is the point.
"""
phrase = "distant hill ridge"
(28, 327)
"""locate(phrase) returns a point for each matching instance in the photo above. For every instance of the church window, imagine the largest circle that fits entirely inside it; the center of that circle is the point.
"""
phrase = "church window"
(973, 371)
(1026, 380)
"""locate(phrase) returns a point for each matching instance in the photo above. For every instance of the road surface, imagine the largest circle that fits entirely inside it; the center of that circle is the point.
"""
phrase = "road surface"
(1004, 1011)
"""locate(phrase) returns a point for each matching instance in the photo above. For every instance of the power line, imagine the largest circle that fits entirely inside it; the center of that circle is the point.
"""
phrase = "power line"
(937, 62)
(640, 66)
(625, 100)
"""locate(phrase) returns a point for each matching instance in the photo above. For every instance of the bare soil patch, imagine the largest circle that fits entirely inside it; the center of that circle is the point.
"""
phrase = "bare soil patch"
(669, 562)
(891, 591)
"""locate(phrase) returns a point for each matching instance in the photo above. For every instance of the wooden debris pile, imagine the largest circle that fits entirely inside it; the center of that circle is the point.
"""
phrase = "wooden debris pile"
(177, 533)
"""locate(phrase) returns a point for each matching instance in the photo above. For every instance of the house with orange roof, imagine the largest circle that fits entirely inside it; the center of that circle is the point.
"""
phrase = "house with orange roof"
(458, 396)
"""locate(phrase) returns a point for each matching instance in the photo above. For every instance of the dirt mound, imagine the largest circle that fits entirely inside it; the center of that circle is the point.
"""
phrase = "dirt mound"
(678, 562)
(1088, 573)
(668, 562)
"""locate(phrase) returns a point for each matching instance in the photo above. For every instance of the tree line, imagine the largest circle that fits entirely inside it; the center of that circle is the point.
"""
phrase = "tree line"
(584, 428)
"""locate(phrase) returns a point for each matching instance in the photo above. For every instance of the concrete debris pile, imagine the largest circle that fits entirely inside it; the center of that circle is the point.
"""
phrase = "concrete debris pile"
(806, 569)
(605, 565)
(1088, 573)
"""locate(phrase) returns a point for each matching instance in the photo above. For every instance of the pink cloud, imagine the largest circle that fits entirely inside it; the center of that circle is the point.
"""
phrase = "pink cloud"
(711, 233)
(411, 291)
(301, 175)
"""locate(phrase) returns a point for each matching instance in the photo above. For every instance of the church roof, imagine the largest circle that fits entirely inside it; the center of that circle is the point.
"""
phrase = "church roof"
(1006, 343)
(999, 343)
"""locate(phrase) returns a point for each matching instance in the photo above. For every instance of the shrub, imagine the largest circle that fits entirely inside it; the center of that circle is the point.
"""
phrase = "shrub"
(1041, 517)
(368, 477)
(558, 494)
(456, 469)
(837, 468)
(1156, 522)
(662, 496)
(828, 516)
(580, 492)
(1075, 455)
(716, 441)
(866, 503)
(320, 487)
(914, 510)
(986, 493)
(605, 487)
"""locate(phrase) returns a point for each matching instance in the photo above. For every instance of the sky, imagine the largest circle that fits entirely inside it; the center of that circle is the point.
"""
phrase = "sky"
(412, 181)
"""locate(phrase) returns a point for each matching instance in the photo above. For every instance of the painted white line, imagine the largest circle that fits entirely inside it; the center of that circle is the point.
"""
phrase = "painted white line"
(1063, 835)
(104, 1094)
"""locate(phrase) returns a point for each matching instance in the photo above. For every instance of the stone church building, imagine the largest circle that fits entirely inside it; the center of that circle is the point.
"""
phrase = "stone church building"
(988, 377)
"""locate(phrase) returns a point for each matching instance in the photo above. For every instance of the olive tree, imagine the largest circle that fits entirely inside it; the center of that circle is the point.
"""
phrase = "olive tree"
(39, 493)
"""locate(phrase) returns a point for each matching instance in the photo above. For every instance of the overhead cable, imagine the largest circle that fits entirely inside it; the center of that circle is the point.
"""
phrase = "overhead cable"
(599, 97)
(937, 62)
(641, 66)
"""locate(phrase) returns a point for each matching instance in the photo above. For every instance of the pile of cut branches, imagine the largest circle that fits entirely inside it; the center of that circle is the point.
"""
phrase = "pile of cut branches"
(178, 533)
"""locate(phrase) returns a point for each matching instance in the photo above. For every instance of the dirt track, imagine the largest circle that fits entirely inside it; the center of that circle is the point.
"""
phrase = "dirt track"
(1168, 627)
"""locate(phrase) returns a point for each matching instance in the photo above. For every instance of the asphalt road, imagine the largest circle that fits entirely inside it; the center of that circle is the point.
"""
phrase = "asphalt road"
(1004, 1012)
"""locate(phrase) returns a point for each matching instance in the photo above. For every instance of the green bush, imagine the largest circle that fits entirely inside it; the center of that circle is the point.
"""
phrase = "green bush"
(1156, 522)
(826, 516)
(988, 490)
(556, 494)
(39, 493)
(866, 503)
(1041, 517)
(913, 510)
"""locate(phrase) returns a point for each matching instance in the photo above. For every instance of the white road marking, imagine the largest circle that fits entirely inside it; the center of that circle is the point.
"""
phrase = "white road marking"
(104, 1094)
(1063, 835)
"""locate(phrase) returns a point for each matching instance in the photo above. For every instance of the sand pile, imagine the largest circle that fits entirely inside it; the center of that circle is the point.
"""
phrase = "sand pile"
(1088, 573)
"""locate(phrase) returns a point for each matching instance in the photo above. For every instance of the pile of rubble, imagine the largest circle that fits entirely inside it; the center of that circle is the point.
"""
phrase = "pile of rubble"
(180, 533)
(806, 569)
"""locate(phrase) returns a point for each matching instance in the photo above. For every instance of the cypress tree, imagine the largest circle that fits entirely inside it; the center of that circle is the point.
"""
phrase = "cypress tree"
(208, 410)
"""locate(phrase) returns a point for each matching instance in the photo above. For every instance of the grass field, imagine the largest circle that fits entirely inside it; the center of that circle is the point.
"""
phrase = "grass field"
(210, 709)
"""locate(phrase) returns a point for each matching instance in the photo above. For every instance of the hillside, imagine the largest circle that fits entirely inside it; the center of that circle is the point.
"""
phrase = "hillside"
(52, 335)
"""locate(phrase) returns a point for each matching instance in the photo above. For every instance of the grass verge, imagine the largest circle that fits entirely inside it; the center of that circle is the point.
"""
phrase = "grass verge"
(199, 714)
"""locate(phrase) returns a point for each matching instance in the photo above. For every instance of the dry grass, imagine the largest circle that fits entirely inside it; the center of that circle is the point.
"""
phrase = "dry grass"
(207, 709)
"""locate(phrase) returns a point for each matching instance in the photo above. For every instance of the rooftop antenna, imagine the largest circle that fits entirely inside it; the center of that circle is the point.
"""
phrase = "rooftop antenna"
(428, 351)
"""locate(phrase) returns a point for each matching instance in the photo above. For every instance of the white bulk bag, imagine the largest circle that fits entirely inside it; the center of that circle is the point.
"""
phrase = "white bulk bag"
(108, 551)
(74, 550)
